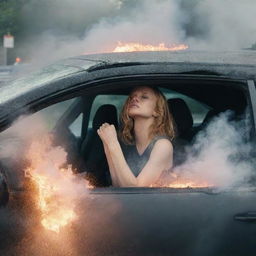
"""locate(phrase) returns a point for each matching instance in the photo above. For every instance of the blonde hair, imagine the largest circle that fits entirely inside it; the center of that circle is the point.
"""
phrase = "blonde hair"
(162, 126)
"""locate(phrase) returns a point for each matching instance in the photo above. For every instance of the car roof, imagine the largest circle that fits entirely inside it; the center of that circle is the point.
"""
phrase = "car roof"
(242, 57)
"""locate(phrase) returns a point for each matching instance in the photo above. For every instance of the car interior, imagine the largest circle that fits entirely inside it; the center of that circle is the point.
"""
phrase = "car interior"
(193, 105)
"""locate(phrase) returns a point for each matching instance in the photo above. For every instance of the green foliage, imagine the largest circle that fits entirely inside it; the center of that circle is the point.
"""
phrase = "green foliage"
(9, 15)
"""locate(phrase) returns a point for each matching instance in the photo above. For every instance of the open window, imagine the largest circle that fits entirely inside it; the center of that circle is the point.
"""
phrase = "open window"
(193, 104)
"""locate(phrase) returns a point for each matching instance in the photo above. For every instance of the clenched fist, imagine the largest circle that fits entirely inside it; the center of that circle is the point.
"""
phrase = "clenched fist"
(107, 133)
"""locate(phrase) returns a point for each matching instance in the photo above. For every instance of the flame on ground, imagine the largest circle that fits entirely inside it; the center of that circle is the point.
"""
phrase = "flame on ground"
(135, 47)
(56, 186)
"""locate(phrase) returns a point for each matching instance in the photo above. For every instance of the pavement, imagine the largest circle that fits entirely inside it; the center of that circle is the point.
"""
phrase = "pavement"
(5, 73)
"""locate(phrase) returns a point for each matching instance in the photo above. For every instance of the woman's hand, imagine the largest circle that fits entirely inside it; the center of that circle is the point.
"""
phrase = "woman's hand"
(107, 133)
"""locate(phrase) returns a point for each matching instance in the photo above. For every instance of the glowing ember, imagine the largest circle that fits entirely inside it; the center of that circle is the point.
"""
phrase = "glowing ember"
(136, 47)
(58, 187)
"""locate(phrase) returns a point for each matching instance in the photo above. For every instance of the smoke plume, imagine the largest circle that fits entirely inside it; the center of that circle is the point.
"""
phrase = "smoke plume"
(219, 156)
(202, 24)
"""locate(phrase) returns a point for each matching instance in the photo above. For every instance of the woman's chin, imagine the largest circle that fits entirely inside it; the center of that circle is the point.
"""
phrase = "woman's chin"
(138, 116)
(133, 113)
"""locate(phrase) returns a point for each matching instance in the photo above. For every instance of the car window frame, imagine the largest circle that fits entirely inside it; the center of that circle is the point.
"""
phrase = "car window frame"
(94, 91)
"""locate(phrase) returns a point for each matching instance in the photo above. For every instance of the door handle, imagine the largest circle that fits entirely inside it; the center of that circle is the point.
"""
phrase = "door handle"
(246, 217)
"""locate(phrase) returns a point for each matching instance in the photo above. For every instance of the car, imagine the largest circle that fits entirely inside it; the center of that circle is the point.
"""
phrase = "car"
(74, 96)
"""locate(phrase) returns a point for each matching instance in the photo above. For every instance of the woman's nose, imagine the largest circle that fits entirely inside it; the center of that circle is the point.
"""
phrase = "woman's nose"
(134, 98)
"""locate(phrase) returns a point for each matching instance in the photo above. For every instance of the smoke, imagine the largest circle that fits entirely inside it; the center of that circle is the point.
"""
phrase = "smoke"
(54, 30)
(17, 138)
(222, 25)
(35, 144)
(219, 156)
(31, 149)
(27, 146)
(202, 24)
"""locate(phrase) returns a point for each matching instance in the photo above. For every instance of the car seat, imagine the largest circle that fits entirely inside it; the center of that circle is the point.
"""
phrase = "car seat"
(182, 117)
(92, 150)
(183, 123)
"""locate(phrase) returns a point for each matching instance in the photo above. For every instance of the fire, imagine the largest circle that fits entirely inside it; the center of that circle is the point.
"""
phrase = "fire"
(55, 212)
(173, 180)
(57, 187)
(188, 184)
(136, 47)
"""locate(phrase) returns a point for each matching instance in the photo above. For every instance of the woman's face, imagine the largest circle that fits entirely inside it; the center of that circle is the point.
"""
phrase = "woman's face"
(142, 103)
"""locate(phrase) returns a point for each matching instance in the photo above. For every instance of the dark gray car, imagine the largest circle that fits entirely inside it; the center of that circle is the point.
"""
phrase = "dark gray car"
(78, 94)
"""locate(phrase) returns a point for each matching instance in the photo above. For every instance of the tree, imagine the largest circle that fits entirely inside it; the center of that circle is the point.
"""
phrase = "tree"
(9, 10)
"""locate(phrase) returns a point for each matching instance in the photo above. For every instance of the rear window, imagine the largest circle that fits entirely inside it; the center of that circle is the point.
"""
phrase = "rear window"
(198, 110)
(116, 100)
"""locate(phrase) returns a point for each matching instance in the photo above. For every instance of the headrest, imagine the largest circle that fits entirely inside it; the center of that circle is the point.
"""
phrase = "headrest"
(181, 114)
(105, 114)
(210, 115)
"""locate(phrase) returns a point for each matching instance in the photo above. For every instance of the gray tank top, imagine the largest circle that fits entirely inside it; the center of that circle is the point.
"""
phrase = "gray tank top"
(135, 161)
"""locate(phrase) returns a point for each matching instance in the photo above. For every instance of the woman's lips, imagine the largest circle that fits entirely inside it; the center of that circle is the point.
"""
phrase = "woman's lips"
(133, 106)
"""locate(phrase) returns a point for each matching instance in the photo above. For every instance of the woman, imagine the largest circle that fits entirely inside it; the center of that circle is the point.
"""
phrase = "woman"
(145, 149)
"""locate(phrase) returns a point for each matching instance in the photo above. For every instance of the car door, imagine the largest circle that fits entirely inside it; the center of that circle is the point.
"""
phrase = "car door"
(169, 221)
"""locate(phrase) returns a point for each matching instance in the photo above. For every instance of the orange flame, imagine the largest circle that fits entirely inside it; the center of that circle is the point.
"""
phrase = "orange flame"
(55, 212)
(172, 180)
(136, 47)
(56, 197)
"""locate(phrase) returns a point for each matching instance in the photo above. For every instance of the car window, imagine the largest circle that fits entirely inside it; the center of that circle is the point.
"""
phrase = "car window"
(197, 109)
(76, 126)
(52, 114)
(116, 100)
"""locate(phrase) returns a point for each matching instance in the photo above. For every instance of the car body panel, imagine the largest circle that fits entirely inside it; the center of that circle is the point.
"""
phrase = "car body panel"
(177, 222)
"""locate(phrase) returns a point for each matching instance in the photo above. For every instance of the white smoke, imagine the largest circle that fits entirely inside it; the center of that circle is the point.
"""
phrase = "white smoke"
(153, 22)
(202, 24)
(20, 227)
(31, 147)
(226, 24)
(15, 140)
(220, 155)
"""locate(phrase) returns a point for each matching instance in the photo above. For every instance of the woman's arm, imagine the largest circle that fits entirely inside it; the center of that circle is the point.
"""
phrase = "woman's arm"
(121, 174)
(160, 160)
(111, 167)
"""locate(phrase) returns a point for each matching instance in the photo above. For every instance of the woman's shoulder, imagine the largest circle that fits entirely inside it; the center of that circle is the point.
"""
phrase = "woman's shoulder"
(162, 143)
(161, 139)
(162, 149)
